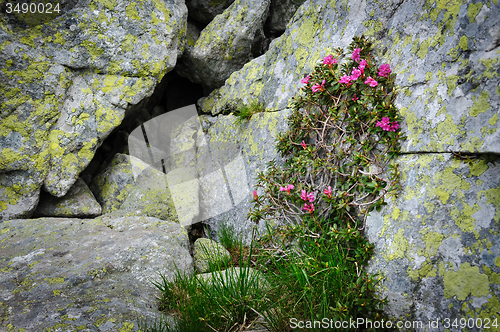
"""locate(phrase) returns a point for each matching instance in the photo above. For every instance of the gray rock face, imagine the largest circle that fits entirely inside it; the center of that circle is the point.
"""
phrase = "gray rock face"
(204, 11)
(113, 185)
(78, 202)
(69, 274)
(437, 245)
(448, 79)
(225, 45)
(206, 251)
(280, 14)
(69, 81)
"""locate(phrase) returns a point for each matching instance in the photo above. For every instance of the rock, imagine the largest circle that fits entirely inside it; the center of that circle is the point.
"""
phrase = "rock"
(447, 79)
(225, 45)
(113, 185)
(206, 252)
(69, 274)
(212, 162)
(244, 151)
(437, 244)
(280, 14)
(237, 276)
(69, 81)
(78, 202)
(204, 11)
(151, 195)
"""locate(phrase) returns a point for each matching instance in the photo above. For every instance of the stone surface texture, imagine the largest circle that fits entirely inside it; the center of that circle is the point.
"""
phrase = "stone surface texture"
(280, 14)
(224, 45)
(436, 245)
(78, 202)
(85, 275)
(113, 185)
(68, 80)
(204, 11)
(206, 251)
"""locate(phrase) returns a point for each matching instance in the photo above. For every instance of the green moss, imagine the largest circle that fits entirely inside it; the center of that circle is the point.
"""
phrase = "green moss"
(473, 10)
(466, 281)
(424, 48)
(480, 105)
(93, 50)
(128, 43)
(464, 43)
(399, 246)
(432, 242)
(132, 12)
(109, 4)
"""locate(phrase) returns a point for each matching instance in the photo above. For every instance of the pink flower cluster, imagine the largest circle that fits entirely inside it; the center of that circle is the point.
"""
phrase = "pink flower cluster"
(305, 80)
(355, 55)
(287, 188)
(356, 72)
(255, 196)
(317, 87)
(329, 60)
(308, 197)
(303, 145)
(328, 191)
(386, 125)
(384, 70)
(371, 82)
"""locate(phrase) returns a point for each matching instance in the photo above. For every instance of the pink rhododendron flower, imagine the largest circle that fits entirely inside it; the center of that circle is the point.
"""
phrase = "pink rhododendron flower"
(329, 60)
(316, 87)
(356, 73)
(287, 188)
(355, 98)
(308, 208)
(305, 80)
(345, 79)
(362, 65)
(355, 54)
(384, 70)
(394, 126)
(386, 125)
(371, 81)
(328, 191)
(303, 195)
(255, 195)
(303, 145)
(307, 196)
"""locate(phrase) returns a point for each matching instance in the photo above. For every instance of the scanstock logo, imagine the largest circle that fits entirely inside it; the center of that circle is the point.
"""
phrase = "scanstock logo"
(205, 177)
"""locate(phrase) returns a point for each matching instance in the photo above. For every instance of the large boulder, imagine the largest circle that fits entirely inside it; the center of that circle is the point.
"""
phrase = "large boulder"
(224, 45)
(81, 274)
(442, 233)
(68, 80)
(438, 243)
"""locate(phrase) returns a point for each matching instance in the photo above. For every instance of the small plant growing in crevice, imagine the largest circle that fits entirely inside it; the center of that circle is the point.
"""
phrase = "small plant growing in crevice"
(246, 111)
(339, 166)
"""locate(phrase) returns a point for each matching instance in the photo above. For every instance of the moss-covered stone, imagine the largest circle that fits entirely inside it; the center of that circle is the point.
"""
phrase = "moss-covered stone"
(437, 243)
(82, 274)
(67, 82)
